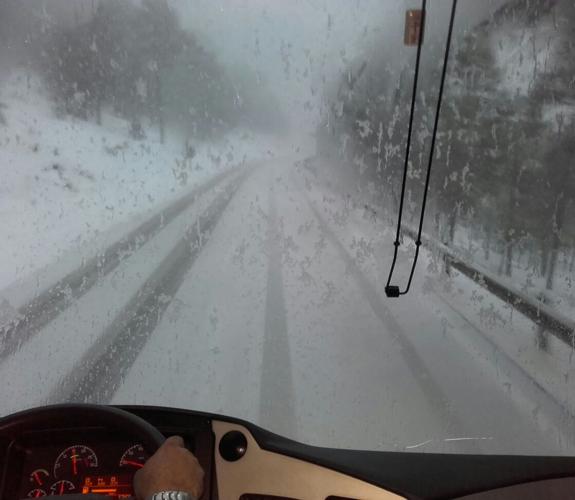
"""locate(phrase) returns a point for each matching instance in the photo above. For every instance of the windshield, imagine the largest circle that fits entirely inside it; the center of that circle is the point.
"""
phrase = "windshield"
(199, 203)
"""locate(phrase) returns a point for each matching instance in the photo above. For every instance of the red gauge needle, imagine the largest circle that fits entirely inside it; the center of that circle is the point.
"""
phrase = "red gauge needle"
(38, 494)
(74, 466)
(37, 478)
(135, 464)
(62, 488)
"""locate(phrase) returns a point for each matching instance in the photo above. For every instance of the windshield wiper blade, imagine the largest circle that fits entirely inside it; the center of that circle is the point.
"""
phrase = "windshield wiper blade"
(394, 290)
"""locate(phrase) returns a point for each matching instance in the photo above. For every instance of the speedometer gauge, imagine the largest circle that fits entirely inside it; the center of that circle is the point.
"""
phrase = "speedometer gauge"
(75, 460)
(135, 457)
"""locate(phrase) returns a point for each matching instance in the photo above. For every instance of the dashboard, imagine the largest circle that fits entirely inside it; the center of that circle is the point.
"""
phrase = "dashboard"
(244, 462)
(90, 461)
(74, 459)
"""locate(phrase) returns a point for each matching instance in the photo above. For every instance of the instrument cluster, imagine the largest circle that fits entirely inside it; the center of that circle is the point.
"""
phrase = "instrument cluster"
(82, 467)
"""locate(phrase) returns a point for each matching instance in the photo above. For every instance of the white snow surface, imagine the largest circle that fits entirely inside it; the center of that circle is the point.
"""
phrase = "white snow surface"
(64, 181)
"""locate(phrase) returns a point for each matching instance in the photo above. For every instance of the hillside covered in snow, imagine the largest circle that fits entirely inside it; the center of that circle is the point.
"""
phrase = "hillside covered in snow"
(64, 180)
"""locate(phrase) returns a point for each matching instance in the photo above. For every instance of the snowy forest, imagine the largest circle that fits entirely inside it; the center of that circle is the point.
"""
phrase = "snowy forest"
(108, 109)
(503, 183)
(135, 59)
(199, 204)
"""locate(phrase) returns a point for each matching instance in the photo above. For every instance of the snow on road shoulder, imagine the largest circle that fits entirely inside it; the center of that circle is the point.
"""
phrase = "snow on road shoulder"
(64, 181)
(449, 349)
(543, 357)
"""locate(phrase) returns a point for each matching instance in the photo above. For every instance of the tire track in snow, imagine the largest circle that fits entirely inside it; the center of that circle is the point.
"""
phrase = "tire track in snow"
(276, 393)
(97, 376)
(42, 309)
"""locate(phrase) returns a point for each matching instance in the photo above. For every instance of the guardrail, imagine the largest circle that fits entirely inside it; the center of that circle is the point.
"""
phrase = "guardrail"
(541, 314)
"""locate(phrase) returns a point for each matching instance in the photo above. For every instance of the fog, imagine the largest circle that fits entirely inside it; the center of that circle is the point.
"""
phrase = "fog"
(301, 46)
(208, 191)
(297, 48)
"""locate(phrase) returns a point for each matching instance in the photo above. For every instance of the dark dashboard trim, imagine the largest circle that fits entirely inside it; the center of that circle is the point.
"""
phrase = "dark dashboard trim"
(413, 475)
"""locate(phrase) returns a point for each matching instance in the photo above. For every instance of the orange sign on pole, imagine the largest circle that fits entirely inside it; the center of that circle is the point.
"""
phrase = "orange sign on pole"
(413, 18)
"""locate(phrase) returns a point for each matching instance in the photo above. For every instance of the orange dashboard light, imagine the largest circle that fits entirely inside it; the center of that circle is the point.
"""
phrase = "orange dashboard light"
(112, 486)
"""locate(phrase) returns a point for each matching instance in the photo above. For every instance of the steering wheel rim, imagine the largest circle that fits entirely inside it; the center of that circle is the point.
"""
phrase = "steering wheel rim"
(82, 415)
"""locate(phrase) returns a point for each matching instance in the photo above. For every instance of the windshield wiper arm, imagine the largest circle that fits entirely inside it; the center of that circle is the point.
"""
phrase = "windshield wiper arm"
(394, 290)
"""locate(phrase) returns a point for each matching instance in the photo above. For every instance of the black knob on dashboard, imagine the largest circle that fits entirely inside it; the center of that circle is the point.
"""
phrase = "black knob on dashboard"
(233, 446)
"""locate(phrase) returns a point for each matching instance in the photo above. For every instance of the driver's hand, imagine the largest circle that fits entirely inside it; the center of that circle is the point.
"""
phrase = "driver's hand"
(172, 467)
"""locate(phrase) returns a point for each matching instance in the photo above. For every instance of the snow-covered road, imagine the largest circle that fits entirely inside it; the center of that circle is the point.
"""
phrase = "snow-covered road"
(263, 299)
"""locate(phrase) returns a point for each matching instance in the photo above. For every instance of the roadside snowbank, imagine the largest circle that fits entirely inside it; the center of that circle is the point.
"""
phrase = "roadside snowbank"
(64, 181)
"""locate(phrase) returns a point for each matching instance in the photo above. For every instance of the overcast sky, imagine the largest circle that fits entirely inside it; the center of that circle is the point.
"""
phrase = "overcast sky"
(297, 44)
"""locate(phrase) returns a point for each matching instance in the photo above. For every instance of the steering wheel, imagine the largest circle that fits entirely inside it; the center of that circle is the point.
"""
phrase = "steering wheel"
(81, 415)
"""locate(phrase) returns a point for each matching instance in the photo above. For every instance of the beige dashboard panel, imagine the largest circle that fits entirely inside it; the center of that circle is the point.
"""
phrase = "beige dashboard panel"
(268, 473)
